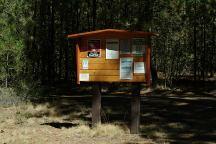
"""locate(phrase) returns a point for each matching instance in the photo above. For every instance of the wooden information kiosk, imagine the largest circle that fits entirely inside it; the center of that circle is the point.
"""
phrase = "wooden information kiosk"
(112, 55)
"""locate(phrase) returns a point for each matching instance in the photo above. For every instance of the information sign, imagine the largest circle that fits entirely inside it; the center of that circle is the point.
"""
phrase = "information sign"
(126, 68)
(85, 64)
(112, 49)
(93, 48)
(84, 77)
(139, 67)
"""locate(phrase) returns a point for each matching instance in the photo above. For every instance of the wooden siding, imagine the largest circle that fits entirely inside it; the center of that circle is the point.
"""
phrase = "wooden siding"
(106, 70)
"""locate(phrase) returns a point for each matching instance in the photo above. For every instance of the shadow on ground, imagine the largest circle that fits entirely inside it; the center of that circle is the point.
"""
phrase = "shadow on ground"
(60, 125)
(166, 116)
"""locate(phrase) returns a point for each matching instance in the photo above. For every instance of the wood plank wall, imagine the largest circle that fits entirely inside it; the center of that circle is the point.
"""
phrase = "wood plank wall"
(107, 70)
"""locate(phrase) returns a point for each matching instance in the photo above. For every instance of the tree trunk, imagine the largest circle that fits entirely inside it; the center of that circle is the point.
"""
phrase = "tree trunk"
(205, 72)
(7, 70)
(195, 46)
(51, 71)
(212, 52)
(94, 14)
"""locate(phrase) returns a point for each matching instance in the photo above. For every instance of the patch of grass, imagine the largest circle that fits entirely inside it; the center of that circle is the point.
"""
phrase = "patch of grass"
(109, 130)
(29, 110)
(7, 92)
(106, 133)
(101, 130)
(8, 97)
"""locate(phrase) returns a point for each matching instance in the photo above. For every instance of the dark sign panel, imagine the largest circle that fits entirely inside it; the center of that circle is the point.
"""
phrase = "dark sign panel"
(93, 48)
(138, 46)
(125, 46)
(93, 54)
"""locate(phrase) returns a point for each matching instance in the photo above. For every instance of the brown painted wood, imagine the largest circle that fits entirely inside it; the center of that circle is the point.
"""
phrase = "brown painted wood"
(135, 110)
(78, 61)
(104, 66)
(84, 54)
(116, 79)
(148, 60)
(101, 72)
(112, 32)
(105, 70)
(100, 60)
(96, 105)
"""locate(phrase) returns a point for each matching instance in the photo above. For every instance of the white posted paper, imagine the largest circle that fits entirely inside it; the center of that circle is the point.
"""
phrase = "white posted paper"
(139, 67)
(84, 77)
(85, 64)
(126, 68)
(112, 49)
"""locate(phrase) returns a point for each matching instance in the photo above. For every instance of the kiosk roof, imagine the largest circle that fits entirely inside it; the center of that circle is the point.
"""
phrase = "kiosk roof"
(111, 31)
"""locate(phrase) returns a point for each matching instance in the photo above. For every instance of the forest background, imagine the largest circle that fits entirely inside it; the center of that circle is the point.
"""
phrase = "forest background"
(35, 51)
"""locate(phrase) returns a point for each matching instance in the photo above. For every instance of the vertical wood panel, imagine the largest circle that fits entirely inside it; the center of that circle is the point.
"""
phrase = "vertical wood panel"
(78, 61)
(148, 59)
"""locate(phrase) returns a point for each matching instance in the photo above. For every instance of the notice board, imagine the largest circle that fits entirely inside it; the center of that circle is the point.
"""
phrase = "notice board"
(112, 60)
(113, 56)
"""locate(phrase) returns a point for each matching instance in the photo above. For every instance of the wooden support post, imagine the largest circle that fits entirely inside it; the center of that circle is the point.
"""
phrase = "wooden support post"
(135, 110)
(148, 61)
(96, 106)
(78, 62)
(148, 65)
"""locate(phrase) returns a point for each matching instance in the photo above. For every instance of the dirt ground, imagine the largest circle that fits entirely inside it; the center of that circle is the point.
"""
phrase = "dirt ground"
(28, 124)
(182, 115)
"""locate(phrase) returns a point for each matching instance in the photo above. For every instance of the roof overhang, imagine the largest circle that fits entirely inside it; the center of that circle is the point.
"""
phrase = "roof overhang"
(113, 32)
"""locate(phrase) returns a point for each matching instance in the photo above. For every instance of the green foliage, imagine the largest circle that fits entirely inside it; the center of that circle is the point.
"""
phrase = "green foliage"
(33, 42)
(13, 19)
(186, 40)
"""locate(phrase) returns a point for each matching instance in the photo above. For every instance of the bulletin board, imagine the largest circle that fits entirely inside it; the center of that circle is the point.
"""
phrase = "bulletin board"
(113, 56)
